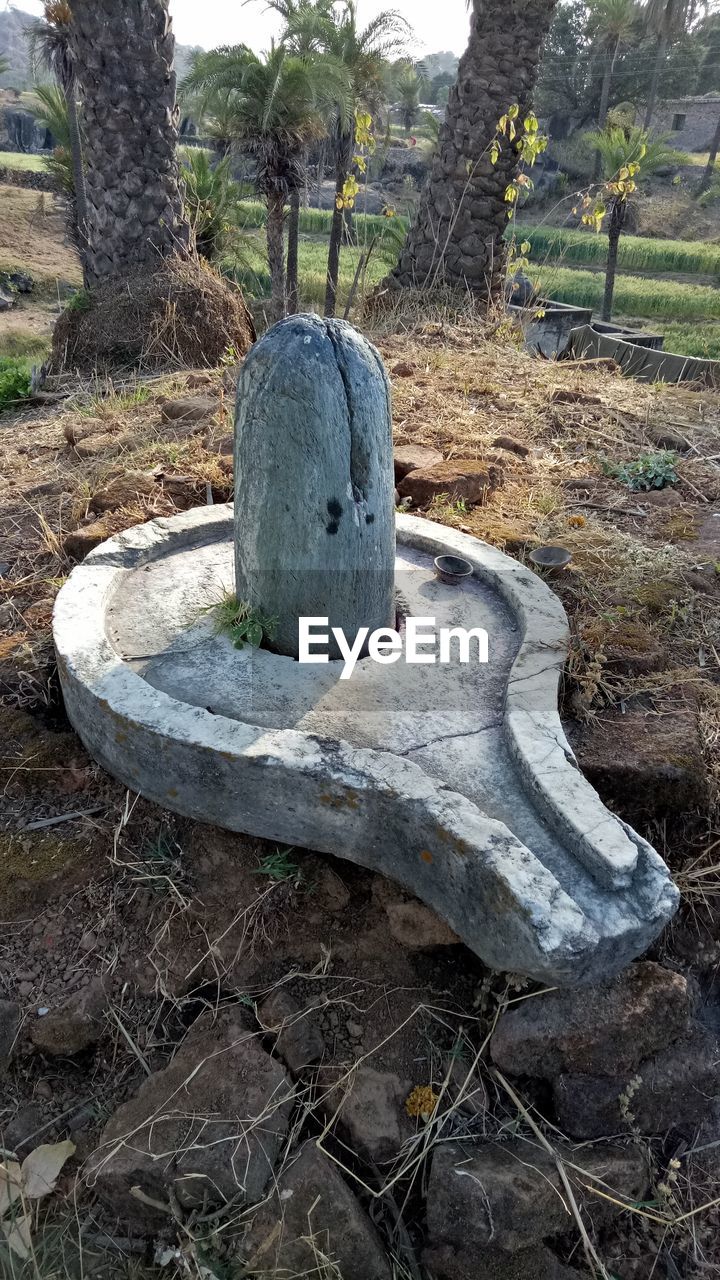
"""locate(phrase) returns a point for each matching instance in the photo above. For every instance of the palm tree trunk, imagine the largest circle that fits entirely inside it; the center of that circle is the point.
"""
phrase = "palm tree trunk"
(276, 255)
(76, 156)
(610, 57)
(293, 254)
(709, 171)
(342, 164)
(457, 236)
(655, 81)
(615, 226)
(135, 211)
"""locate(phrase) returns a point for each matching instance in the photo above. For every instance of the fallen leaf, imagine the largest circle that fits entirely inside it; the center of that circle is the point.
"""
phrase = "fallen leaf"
(10, 1185)
(17, 1234)
(41, 1168)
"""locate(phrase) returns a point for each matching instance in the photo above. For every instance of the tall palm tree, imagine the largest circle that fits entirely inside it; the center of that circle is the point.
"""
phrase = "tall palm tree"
(620, 150)
(611, 22)
(275, 108)
(362, 51)
(50, 44)
(666, 20)
(408, 87)
(457, 235)
(124, 54)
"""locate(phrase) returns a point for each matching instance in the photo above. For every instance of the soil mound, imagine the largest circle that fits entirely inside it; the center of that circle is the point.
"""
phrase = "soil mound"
(184, 314)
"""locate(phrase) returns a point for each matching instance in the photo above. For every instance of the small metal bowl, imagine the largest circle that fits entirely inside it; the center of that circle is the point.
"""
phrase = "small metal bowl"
(453, 570)
(551, 559)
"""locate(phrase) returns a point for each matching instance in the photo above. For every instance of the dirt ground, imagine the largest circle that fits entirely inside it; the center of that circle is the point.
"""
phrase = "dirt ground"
(175, 918)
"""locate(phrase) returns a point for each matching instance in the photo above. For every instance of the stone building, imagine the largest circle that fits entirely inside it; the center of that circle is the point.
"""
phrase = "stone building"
(689, 122)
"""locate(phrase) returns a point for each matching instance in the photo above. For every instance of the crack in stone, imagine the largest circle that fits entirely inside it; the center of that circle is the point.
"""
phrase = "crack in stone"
(447, 737)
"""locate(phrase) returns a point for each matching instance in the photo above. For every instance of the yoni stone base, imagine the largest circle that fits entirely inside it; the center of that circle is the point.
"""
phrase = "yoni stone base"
(456, 781)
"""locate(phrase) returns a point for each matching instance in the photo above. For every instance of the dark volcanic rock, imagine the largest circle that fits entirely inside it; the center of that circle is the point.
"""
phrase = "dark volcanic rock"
(209, 1127)
(675, 1089)
(312, 1213)
(603, 1030)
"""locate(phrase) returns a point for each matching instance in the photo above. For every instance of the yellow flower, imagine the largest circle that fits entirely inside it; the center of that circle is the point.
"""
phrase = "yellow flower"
(421, 1102)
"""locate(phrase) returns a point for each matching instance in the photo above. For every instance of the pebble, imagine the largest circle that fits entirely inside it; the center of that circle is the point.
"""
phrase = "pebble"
(25, 989)
(355, 1030)
(88, 942)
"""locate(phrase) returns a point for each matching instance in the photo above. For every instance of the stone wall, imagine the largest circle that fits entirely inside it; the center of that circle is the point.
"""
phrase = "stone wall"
(690, 122)
(29, 178)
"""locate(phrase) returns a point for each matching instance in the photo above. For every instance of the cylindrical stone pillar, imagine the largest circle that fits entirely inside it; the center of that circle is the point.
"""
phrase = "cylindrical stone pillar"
(314, 487)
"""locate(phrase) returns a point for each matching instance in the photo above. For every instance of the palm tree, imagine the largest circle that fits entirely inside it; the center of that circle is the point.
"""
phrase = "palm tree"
(666, 19)
(623, 152)
(362, 52)
(50, 43)
(709, 170)
(124, 59)
(611, 22)
(275, 108)
(408, 87)
(50, 111)
(457, 235)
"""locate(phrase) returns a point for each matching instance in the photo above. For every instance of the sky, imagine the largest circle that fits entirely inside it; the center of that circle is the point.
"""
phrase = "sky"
(436, 26)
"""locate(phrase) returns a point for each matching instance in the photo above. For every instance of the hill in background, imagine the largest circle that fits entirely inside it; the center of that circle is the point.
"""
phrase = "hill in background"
(13, 46)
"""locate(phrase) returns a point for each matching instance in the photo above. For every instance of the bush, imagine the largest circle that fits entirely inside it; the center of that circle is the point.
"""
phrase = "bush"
(211, 201)
(15, 381)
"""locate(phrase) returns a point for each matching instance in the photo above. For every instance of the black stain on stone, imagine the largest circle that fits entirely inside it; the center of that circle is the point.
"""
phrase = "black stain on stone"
(370, 519)
(335, 513)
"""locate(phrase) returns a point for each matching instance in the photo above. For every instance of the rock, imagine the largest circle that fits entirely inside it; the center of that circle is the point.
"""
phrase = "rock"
(415, 926)
(29, 1120)
(510, 446)
(414, 457)
(520, 290)
(330, 891)
(9, 1026)
(77, 1026)
(7, 300)
(185, 491)
(16, 282)
(315, 541)
(676, 1090)
(210, 1126)
(373, 1112)
(80, 542)
(122, 491)
(313, 1214)
(509, 1196)
(529, 1264)
(298, 1038)
(665, 438)
(190, 409)
(471, 481)
(644, 765)
(603, 1030)
(96, 445)
(403, 369)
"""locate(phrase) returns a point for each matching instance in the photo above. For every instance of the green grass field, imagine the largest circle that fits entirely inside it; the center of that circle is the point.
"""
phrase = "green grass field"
(638, 253)
(18, 160)
(249, 270)
(634, 295)
(317, 222)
